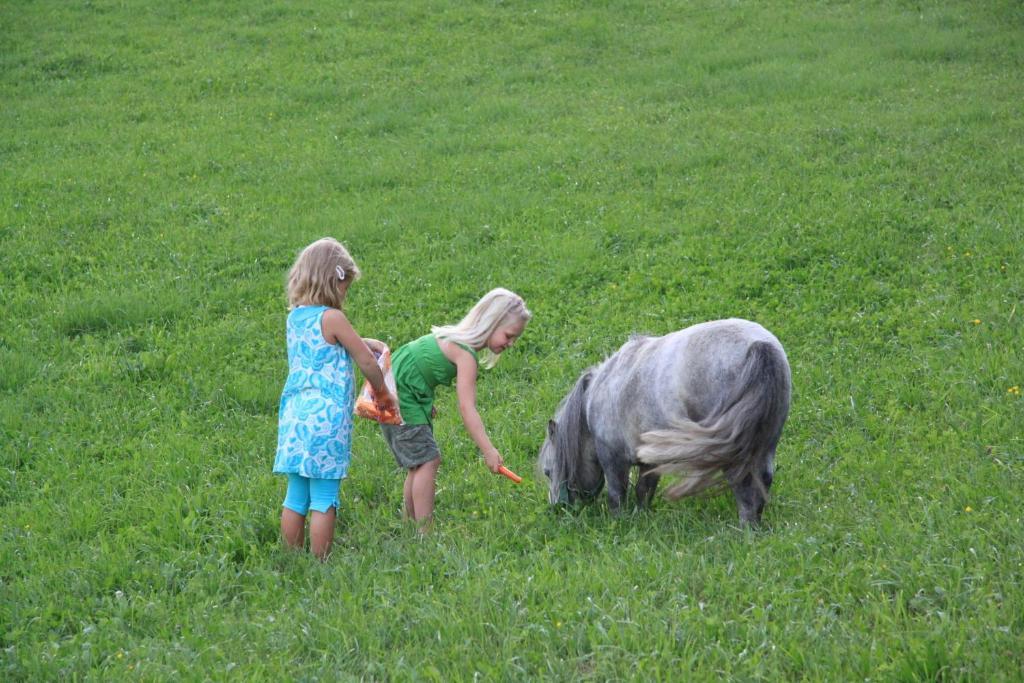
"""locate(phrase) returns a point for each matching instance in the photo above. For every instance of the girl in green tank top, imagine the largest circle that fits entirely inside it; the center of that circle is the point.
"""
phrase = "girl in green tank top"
(455, 352)
(420, 366)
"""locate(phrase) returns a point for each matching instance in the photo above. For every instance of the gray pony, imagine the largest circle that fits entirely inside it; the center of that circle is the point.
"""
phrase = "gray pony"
(707, 403)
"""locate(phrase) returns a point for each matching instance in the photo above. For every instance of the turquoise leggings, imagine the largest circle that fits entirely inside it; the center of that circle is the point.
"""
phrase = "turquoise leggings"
(317, 494)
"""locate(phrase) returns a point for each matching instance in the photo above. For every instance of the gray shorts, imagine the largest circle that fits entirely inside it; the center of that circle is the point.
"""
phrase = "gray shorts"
(412, 445)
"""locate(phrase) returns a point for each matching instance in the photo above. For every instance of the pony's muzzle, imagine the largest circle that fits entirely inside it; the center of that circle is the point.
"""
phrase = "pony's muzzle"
(563, 494)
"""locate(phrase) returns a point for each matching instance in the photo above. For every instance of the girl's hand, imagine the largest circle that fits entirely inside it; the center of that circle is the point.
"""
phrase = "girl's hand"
(387, 406)
(493, 460)
(384, 400)
(375, 345)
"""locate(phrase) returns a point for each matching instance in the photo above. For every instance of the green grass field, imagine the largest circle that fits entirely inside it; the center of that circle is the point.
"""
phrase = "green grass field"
(847, 174)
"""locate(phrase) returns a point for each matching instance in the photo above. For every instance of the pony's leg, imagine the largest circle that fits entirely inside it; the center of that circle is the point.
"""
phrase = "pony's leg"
(752, 494)
(646, 485)
(616, 474)
(749, 500)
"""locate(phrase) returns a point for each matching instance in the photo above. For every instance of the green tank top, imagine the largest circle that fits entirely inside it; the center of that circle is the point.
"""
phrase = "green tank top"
(419, 368)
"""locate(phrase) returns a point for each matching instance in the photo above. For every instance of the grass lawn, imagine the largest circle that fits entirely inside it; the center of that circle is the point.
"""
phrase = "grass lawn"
(847, 174)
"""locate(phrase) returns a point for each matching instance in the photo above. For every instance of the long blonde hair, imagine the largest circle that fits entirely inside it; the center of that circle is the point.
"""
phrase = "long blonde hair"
(497, 307)
(313, 279)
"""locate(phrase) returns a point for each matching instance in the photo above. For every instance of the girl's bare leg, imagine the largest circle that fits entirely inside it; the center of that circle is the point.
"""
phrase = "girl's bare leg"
(424, 487)
(410, 508)
(321, 532)
(293, 528)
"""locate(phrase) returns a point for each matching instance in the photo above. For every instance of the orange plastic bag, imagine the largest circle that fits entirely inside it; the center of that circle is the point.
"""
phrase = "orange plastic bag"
(365, 406)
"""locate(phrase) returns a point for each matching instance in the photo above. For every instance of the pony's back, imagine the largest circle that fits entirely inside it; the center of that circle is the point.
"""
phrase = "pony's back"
(655, 382)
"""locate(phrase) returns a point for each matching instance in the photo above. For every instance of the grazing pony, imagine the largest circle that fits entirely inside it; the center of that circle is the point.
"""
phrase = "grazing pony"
(707, 403)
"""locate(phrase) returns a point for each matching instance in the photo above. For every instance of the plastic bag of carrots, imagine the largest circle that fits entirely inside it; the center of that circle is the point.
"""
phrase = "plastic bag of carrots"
(367, 407)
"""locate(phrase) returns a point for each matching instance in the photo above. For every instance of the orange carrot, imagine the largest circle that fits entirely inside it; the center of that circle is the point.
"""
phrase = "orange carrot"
(510, 474)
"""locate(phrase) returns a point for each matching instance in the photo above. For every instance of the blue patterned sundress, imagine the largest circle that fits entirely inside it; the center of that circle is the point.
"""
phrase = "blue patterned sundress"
(314, 435)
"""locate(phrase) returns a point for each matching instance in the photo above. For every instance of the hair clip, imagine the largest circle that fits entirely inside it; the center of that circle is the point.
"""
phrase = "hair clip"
(340, 272)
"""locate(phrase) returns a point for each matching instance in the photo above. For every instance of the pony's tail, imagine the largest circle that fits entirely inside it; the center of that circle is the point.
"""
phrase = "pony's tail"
(729, 444)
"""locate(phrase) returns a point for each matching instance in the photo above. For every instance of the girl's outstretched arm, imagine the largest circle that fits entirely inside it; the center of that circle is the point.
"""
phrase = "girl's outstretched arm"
(338, 330)
(465, 389)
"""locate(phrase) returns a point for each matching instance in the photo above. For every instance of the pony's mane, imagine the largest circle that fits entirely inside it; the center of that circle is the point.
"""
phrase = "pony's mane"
(572, 428)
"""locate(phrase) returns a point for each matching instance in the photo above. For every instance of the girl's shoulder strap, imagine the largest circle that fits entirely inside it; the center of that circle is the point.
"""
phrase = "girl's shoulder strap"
(311, 309)
(306, 316)
(464, 347)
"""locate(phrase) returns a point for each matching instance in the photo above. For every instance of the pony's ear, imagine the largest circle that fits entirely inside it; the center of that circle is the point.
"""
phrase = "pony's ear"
(552, 428)
(585, 379)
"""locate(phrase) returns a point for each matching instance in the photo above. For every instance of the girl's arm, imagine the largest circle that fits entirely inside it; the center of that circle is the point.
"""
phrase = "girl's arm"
(465, 389)
(338, 330)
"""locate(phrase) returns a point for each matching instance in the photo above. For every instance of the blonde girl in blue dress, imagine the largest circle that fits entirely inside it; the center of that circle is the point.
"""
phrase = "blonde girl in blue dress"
(314, 439)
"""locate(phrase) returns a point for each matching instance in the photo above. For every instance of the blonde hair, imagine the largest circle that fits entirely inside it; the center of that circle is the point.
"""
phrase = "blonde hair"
(314, 277)
(496, 308)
